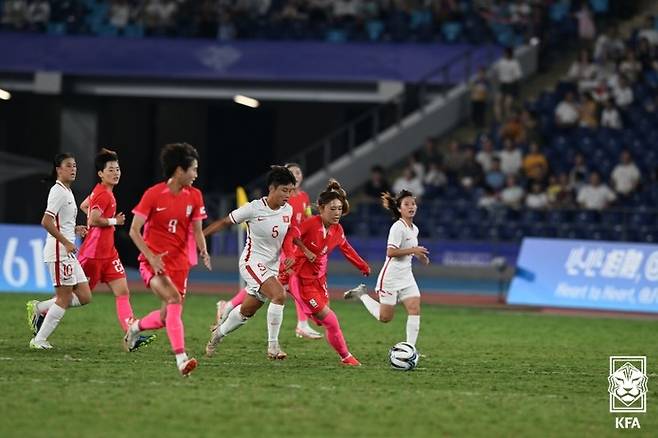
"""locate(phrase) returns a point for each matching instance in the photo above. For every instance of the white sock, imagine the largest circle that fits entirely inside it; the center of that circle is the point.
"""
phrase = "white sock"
(44, 306)
(413, 327)
(371, 305)
(274, 320)
(180, 358)
(234, 320)
(50, 322)
(303, 324)
(75, 301)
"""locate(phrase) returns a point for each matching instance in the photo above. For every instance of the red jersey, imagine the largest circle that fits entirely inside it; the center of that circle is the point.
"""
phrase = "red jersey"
(99, 243)
(301, 207)
(321, 241)
(168, 219)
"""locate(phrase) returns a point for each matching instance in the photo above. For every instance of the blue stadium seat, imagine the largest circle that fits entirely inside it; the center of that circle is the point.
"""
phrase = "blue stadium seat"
(451, 31)
(56, 28)
(375, 28)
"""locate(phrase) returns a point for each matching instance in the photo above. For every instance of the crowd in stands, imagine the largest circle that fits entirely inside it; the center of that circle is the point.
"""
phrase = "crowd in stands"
(589, 145)
(507, 22)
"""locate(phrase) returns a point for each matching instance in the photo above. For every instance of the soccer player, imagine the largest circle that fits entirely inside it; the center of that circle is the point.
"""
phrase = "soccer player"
(70, 281)
(301, 210)
(166, 211)
(396, 282)
(317, 238)
(268, 220)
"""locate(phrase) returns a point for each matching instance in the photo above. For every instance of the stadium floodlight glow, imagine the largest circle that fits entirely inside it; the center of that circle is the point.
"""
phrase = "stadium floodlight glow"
(5, 95)
(246, 101)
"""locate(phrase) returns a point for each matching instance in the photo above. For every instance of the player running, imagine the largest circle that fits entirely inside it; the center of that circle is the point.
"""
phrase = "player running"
(166, 211)
(301, 210)
(317, 238)
(69, 280)
(268, 220)
(396, 280)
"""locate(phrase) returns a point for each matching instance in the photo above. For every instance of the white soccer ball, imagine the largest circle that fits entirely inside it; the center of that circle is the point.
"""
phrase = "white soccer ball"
(403, 356)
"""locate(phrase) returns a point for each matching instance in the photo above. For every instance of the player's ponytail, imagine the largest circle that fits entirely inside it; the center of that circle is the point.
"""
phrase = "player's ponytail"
(57, 162)
(392, 204)
(334, 191)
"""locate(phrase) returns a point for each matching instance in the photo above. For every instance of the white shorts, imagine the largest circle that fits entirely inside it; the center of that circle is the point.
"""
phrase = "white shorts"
(67, 272)
(255, 274)
(393, 297)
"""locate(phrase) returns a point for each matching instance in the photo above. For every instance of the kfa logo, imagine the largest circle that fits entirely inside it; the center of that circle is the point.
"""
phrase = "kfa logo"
(627, 386)
(188, 210)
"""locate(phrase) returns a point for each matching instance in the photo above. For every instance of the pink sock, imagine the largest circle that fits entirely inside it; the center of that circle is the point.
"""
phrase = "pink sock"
(335, 334)
(152, 321)
(124, 310)
(175, 329)
(293, 288)
(239, 298)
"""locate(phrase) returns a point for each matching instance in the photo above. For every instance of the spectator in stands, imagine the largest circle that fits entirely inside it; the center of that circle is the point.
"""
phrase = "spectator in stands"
(38, 15)
(416, 163)
(409, 181)
(530, 125)
(14, 14)
(535, 164)
(609, 45)
(625, 175)
(435, 178)
(566, 112)
(226, 30)
(513, 129)
(583, 72)
(586, 26)
(623, 94)
(489, 199)
(508, 71)
(377, 184)
(470, 174)
(512, 195)
(511, 158)
(595, 195)
(630, 67)
(495, 178)
(479, 98)
(578, 172)
(119, 14)
(430, 151)
(610, 116)
(649, 31)
(559, 193)
(159, 17)
(453, 160)
(601, 94)
(537, 199)
(589, 112)
(486, 154)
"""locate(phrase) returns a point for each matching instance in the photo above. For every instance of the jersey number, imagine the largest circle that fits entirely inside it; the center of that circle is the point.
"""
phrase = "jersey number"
(275, 231)
(172, 226)
(117, 266)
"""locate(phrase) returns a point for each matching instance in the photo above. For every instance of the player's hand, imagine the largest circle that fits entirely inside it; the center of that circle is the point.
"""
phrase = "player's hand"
(287, 263)
(120, 217)
(420, 251)
(157, 263)
(309, 255)
(366, 271)
(424, 259)
(206, 260)
(81, 230)
(70, 248)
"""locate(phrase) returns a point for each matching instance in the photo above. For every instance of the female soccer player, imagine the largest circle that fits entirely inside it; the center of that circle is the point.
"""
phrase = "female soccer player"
(301, 210)
(319, 236)
(166, 211)
(396, 280)
(59, 253)
(268, 220)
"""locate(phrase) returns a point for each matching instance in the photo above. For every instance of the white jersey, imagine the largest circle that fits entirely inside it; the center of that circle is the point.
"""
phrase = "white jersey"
(61, 206)
(396, 273)
(266, 229)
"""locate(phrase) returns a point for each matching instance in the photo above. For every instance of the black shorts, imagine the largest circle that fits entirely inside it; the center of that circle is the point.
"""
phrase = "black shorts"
(510, 89)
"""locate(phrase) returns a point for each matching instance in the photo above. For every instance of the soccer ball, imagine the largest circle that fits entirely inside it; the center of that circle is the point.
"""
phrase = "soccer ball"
(403, 356)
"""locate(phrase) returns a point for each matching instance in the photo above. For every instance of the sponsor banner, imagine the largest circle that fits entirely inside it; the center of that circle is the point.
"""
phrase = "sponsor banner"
(586, 274)
(21, 259)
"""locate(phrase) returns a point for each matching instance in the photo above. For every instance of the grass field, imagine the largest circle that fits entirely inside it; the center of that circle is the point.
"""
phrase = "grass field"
(485, 373)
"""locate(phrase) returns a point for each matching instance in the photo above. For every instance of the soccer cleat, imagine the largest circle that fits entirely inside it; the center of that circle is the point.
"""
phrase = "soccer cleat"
(215, 338)
(355, 294)
(143, 341)
(351, 361)
(131, 337)
(187, 367)
(276, 353)
(223, 309)
(40, 345)
(308, 333)
(32, 316)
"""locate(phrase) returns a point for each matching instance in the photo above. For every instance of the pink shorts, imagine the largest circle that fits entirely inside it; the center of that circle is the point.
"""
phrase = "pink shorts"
(178, 278)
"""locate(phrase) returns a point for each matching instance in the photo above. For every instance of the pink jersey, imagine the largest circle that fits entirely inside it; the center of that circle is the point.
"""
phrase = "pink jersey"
(169, 219)
(99, 243)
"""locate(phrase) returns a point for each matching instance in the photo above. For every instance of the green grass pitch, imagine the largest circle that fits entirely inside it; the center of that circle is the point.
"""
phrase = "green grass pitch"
(485, 373)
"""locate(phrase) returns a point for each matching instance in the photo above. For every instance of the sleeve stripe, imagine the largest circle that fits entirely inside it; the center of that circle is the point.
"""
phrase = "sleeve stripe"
(390, 245)
(230, 216)
(50, 213)
(140, 214)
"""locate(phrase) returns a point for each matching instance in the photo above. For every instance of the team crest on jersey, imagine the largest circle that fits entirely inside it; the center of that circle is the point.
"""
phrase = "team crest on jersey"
(286, 219)
(188, 210)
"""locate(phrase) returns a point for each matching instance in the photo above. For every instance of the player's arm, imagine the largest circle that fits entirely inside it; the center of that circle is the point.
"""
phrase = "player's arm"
(96, 219)
(84, 207)
(354, 258)
(200, 239)
(135, 233)
(217, 226)
(48, 222)
(415, 251)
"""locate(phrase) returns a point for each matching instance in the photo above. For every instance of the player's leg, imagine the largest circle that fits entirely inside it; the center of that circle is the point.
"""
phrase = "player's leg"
(410, 299)
(273, 290)
(381, 310)
(119, 288)
(334, 335)
(303, 329)
(225, 307)
(53, 317)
